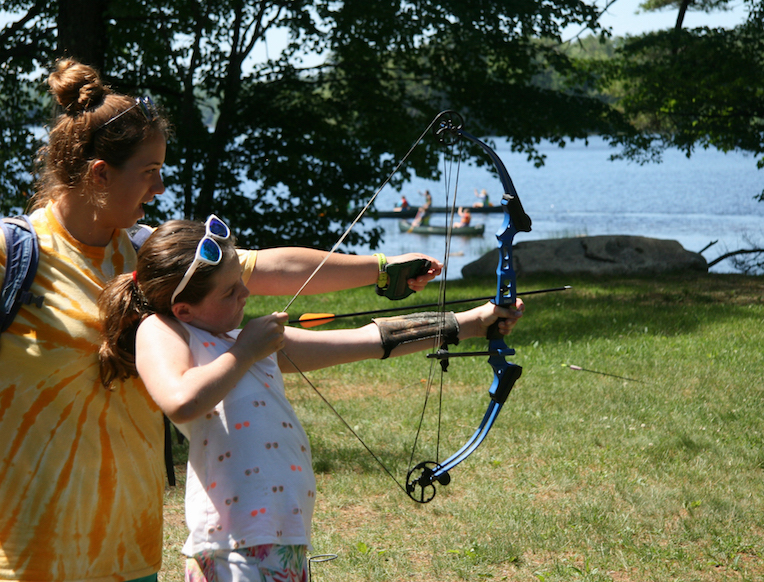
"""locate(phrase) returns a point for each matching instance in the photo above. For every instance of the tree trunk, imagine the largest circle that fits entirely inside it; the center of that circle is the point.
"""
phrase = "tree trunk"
(188, 124)
(682, 11)
(223, 127)
(82, 31)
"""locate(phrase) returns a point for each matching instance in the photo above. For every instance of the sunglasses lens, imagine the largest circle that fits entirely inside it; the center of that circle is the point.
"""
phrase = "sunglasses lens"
(210, 251)
(218, 228)
(148, 108)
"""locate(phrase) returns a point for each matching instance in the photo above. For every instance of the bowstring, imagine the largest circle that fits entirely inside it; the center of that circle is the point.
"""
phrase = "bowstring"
(318, 268)
(448, 173)
(344, 422)
(360, 214)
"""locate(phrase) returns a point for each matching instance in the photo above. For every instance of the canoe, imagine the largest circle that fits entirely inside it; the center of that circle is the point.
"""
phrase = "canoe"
(474, 230)
(410, 212)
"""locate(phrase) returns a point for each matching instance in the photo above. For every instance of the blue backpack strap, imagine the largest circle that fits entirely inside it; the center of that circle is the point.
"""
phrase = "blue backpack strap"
(138, 234)
(22, 256)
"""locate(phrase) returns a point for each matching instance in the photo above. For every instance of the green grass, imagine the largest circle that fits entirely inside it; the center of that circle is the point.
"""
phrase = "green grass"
(583, 477)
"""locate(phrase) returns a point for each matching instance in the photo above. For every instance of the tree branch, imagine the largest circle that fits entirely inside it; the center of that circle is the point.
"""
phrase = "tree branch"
(732, 254)
(34, 11)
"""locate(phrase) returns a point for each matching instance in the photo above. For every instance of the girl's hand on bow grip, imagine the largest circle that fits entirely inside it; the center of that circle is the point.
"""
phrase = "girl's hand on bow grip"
(477, 321)
(513, 314)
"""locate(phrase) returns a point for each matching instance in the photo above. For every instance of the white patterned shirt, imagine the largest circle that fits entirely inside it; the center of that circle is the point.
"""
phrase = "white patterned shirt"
(250, 476)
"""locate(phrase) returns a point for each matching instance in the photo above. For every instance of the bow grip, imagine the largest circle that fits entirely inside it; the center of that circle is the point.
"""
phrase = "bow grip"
(492, 333)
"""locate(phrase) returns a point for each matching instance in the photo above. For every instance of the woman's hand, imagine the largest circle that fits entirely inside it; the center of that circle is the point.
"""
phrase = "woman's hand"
(420, 282)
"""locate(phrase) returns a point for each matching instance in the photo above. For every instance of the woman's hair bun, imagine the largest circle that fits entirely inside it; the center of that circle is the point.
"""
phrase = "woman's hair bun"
(76, 87)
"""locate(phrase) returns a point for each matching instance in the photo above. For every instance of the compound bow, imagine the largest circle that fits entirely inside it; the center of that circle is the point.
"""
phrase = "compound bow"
(421, 479)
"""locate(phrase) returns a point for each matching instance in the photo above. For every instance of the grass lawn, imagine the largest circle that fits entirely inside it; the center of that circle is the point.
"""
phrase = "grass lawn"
(583, 477)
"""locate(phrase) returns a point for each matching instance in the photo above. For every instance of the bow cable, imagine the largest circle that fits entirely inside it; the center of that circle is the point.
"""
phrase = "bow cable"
(318, 268)
(360, 214)
(448, 173)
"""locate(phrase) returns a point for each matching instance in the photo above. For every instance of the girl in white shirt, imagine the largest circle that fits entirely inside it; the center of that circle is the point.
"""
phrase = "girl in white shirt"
(250, 488)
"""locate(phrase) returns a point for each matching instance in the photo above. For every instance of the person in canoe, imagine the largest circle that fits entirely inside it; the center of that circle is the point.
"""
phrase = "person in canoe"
(422, 216)
(427, 198)
(482, 197)
(402, 205)
(465, 216)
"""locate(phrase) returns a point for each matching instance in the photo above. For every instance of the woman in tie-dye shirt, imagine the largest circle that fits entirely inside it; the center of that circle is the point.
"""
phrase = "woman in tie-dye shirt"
(81, 466)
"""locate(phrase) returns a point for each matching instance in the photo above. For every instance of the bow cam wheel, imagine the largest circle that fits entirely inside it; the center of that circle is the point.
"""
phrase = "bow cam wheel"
(420, 481)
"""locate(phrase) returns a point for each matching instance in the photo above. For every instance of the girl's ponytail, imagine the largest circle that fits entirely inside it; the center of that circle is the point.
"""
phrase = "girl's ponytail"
(123, 307)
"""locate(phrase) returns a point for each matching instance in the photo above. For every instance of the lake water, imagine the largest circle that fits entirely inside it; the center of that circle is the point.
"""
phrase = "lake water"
(579, 191)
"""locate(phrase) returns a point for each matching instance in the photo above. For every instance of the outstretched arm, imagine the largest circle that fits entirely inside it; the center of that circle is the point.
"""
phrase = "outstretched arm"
(312, 350)
(282, 271)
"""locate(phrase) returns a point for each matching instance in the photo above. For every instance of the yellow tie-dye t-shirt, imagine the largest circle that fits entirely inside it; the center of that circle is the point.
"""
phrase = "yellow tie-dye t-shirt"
(81, 471)
(81, 467)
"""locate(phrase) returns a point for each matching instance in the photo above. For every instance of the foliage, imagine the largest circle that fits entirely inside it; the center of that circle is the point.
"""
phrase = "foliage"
(688, 88)
(283, 146)
(704, 104)
(21, 106)
(682, 6)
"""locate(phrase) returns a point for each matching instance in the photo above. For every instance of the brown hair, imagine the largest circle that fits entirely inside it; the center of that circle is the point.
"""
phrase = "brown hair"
(129, 298)
(81, 134)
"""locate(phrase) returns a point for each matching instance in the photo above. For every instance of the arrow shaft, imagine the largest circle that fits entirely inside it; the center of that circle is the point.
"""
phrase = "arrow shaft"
(328, 318)
(580, 369)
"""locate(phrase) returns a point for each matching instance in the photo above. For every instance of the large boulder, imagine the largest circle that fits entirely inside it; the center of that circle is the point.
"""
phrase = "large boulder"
(593, 255)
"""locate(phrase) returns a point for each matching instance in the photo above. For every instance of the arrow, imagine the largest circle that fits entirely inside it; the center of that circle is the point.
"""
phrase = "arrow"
(580, 369)
(309, 320)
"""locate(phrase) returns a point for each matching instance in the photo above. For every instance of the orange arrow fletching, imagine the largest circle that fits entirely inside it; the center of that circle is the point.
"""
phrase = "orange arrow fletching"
(315, 319)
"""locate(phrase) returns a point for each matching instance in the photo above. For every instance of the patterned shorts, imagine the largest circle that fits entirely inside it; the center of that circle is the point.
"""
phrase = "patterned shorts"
(267, 563)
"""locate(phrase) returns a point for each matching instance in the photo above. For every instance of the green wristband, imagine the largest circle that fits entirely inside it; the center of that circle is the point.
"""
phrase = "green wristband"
(382, 278)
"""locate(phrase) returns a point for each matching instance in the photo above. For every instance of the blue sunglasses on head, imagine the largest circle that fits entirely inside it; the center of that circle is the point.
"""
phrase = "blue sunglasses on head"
(207, 253)
(147, 108)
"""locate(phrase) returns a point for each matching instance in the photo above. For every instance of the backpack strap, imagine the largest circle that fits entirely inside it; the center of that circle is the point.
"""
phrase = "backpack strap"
(22, 256)
(138, 234)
